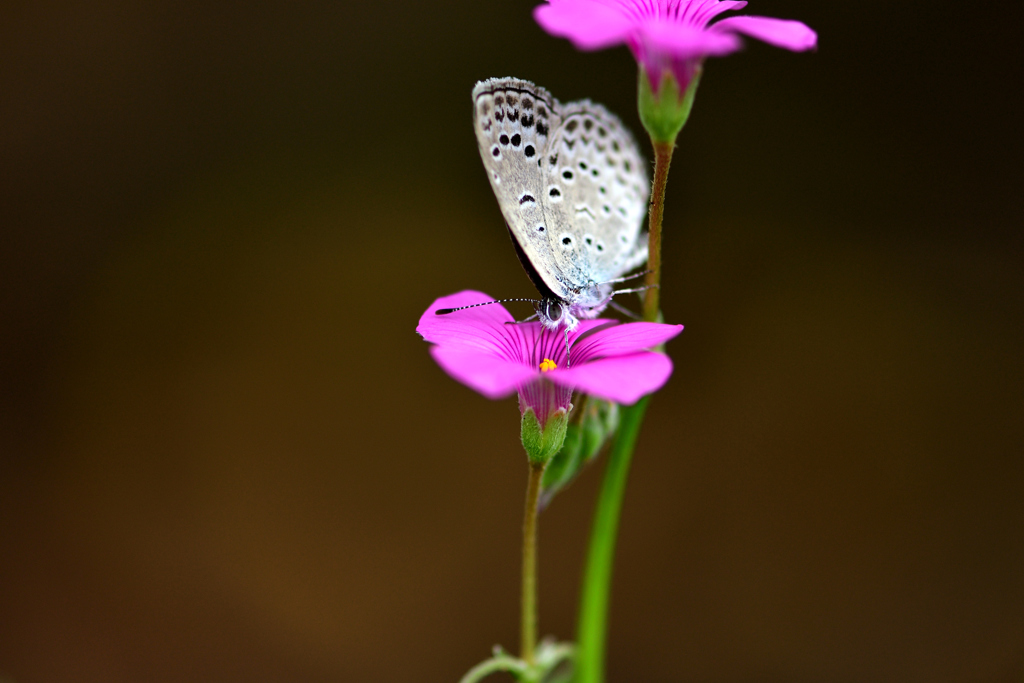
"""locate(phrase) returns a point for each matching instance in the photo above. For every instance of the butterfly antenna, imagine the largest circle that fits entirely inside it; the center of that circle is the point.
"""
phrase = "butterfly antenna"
(446, 311)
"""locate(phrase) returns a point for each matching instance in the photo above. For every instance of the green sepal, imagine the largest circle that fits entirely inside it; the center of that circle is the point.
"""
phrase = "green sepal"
(665, 112)
(564, 466)
(542, 444)
(584, 439)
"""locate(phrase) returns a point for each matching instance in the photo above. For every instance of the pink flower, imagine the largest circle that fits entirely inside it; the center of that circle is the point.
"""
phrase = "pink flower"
(672, 35)
(608, 359)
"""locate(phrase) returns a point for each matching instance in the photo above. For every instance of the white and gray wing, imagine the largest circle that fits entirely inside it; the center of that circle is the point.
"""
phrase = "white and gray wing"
(595, 196)
(514, 121)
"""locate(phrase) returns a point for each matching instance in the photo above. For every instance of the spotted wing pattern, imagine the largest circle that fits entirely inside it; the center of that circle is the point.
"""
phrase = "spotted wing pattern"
(514, 120)
(569, 180)
(597, 180)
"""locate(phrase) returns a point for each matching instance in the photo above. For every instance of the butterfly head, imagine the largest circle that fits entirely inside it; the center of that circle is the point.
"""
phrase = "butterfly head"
(554, 312)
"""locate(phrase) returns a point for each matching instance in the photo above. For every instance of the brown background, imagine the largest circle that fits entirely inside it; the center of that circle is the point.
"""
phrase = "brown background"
(226, 456)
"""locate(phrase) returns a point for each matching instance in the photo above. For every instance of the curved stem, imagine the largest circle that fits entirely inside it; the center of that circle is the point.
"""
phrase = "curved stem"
(652, 298)
(592, 630)
(528, 622)
(493, 665)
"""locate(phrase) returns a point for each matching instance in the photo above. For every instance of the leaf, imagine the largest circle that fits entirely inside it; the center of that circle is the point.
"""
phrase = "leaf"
(585, 436)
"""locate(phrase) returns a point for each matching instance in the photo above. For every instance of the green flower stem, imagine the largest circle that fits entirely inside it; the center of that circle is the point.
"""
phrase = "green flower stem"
(592, 629)
(652, 297)
(528, 625)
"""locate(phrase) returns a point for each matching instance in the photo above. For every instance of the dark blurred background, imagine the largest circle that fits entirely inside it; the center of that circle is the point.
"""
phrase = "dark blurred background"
(226, 456)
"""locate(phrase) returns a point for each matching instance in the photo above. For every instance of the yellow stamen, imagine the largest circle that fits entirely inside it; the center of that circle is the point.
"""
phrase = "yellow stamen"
(548, 364)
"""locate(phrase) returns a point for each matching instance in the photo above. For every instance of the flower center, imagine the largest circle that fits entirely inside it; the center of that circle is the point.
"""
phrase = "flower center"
(548, 364)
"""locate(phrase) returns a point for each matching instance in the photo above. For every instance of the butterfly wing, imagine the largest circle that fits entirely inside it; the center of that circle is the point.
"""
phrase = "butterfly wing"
(595, 196)
(514, 120)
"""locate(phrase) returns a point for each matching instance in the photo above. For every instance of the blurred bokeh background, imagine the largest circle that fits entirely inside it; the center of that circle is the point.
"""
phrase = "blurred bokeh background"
(226, 456)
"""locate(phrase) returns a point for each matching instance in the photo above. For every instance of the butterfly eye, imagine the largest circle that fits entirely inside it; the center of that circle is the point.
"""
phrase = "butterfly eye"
(554, 310)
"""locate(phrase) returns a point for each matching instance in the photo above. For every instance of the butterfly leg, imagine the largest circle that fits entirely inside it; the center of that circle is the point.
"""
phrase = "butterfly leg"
(628, 277)
(568, 361)
(524, 320)
(623, 310)
(634, 289)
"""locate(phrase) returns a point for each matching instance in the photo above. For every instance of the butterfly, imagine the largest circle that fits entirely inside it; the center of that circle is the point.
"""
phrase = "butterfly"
(573, 190)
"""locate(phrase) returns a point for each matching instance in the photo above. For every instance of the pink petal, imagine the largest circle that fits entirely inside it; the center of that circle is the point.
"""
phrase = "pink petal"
(623, 379)
(785, 33)
(482, 328)
(588, 325)
(589, 24)
(664, 40)
(492, 376)
(623, 339)
(712, 10)
(538, 343)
